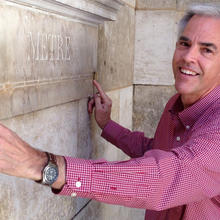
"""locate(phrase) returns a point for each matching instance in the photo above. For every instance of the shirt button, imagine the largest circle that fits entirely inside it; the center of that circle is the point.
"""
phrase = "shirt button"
(73, 194)
(187, 127)
(178, 138)
(78, 184)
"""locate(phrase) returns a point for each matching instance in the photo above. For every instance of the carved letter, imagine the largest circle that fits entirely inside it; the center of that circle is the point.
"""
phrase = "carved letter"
(59, 47)
(67, 52)
(32, 47)
(44, 48)
(51, 46)
(38, 47)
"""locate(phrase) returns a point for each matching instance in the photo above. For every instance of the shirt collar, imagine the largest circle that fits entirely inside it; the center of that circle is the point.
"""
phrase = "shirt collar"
(191, 114)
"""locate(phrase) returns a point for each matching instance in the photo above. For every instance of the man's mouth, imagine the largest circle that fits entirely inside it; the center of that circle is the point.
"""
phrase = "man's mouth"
(188, 72)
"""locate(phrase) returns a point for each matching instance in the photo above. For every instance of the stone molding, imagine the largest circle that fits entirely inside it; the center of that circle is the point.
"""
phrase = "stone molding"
(91, 12)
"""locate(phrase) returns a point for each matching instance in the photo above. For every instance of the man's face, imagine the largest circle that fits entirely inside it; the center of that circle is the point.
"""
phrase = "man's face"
(196, 61)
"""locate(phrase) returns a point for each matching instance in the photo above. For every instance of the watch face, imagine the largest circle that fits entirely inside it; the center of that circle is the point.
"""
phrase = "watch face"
(51, 175)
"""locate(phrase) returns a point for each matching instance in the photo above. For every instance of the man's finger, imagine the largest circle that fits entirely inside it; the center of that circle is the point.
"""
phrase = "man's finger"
(98, 102)
(99, 88)
(91, 104)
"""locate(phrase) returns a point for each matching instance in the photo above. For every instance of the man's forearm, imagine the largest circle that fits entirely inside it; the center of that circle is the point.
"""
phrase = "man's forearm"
(134, 144)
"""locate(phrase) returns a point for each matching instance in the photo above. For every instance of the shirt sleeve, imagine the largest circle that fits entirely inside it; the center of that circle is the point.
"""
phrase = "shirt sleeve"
(159, 180)
(134, 144)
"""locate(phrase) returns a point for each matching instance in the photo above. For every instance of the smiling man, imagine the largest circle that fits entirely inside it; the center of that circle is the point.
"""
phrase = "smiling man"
(196, 61)
(176, 174)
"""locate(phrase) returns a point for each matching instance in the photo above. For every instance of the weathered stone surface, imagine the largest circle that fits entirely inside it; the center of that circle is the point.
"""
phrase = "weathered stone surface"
(149, 103)
(62, 130)
(183, 4)
(42, 62)
(130, 2)
(23, 100)
(84, 149)
(154, 47)
(38, 46)
(116, 51)
(7, 204)
(159, 4)
(84, 11)
(101, 211)
(126, 107)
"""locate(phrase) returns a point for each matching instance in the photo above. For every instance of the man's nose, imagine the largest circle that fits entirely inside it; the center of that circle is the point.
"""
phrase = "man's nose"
(191, 55)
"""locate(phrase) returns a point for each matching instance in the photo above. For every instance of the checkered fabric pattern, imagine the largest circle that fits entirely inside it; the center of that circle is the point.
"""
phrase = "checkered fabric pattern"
(175, 175)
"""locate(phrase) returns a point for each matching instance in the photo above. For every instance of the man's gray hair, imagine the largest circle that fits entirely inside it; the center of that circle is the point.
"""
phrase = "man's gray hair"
(207, 9)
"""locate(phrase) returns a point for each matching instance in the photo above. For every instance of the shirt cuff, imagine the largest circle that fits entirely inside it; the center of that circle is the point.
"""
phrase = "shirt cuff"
(78, 178)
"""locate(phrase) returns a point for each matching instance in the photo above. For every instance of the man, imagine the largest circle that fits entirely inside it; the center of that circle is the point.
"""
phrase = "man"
(175, 175)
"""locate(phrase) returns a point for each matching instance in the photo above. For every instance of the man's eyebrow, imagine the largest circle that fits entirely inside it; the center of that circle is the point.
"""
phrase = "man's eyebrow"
(184, 38)
(206, 44)
(209, 45)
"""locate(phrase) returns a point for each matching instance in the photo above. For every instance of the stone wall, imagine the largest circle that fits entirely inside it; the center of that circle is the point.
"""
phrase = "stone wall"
(45, 80)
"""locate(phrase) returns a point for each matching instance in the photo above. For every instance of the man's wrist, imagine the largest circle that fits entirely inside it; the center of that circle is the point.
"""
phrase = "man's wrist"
(61, 180)
(40, 165)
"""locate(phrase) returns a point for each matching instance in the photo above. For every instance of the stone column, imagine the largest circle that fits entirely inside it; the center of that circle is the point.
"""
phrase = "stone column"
(155, 38)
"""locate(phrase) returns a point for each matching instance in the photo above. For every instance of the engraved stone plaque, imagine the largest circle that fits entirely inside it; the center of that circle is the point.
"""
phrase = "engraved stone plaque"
(45, 60)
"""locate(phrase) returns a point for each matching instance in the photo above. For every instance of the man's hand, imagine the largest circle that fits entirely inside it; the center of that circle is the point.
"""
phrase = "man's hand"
(17, 158)
(102, 104)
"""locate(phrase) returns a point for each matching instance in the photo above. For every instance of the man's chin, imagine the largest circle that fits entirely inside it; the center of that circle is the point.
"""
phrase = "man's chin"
(184, 90)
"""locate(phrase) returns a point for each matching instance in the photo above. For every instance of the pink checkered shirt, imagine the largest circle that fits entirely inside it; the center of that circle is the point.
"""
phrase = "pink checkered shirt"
(175, 175)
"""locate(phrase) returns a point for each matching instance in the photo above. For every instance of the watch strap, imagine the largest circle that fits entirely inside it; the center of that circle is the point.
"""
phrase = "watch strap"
(50, 159)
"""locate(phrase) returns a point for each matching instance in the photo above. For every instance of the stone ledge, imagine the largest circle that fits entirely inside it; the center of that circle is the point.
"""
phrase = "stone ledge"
(85, 11)
(26, 99)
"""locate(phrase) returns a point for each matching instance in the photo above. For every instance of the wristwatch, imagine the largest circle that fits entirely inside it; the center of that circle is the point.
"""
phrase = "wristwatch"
(50, 172)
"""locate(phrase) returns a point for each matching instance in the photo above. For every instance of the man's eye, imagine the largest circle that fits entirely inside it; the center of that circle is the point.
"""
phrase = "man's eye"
(207, 50)
(183, 44)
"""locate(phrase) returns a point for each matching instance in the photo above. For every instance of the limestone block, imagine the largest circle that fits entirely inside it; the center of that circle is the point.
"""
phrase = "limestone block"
(159, 4)
(154, 46)
(84, 149)
(149, 103)
(116, 51)
(62, 130)
(53, 129)
(183, 4)
(180, 14)
(100, 211)
(45, 60)
(126, 107)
